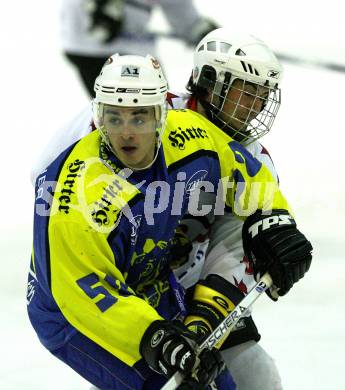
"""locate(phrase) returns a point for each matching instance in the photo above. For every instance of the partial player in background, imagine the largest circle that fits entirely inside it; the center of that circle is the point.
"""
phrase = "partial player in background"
(92, 30)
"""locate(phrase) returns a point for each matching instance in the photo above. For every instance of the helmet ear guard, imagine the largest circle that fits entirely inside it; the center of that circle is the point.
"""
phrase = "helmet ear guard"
(207, 78)
(205, 84)
(212, 90)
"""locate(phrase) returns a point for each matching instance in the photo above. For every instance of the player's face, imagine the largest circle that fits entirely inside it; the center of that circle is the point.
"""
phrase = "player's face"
(243, 103)
(131, 132)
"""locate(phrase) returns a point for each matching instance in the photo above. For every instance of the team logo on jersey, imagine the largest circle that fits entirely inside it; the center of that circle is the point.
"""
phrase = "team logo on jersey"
(195, 180)
(273, 73)
(106, 211)
(130, 71)
(179, 137)
(72, 172)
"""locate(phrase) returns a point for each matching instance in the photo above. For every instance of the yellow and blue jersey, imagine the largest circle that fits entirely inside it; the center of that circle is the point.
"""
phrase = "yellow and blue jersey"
(102, 234)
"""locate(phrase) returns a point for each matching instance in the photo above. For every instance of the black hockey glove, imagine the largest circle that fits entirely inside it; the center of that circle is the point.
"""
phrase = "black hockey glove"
(274, 244)
(168, 346)
(106, 18)
(180, 248)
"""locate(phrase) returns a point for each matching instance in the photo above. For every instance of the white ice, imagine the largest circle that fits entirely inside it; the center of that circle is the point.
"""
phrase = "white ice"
(304, 331)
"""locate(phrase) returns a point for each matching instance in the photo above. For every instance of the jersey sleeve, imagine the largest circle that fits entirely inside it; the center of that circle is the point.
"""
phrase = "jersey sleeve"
(92, 293)
(261, 153)
(250, 186)
(225, 255)
(247, 185)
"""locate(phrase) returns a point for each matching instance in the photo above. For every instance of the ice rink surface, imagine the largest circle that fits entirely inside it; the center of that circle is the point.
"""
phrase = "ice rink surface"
(304, 331)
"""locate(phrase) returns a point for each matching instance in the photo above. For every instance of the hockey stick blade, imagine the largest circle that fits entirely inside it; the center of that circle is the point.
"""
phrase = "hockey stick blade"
(225, 327)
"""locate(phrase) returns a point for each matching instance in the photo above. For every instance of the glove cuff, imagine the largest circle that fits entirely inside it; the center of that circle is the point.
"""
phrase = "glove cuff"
(151, 343)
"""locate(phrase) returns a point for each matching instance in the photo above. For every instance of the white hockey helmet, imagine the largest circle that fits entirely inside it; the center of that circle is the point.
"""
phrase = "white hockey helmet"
(220, 58)
(131, 81)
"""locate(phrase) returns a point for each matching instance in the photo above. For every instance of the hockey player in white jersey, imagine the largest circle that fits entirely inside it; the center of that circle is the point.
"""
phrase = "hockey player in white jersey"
(230, 85)
(92, 30)
(235, 83)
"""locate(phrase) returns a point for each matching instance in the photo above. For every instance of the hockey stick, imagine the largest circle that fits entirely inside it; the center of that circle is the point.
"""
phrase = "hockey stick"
(332, 66)
(225, 327)
(293, 59)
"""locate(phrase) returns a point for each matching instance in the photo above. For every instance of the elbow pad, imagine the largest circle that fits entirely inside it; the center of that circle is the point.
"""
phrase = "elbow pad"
(214, 298)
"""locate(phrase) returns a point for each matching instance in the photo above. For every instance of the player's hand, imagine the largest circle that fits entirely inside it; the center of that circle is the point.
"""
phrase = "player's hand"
(274, 244)
(106, 18)
(168, 346)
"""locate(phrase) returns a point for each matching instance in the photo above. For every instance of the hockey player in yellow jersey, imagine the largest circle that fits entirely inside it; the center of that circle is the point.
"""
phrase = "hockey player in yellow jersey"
(101, 296)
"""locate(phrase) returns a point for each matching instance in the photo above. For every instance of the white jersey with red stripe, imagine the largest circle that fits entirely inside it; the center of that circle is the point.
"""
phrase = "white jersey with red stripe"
(217, 247)
(223, 249)
(225, 255)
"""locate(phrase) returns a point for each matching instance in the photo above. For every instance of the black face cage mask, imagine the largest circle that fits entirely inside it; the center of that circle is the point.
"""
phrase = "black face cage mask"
(244, 123)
